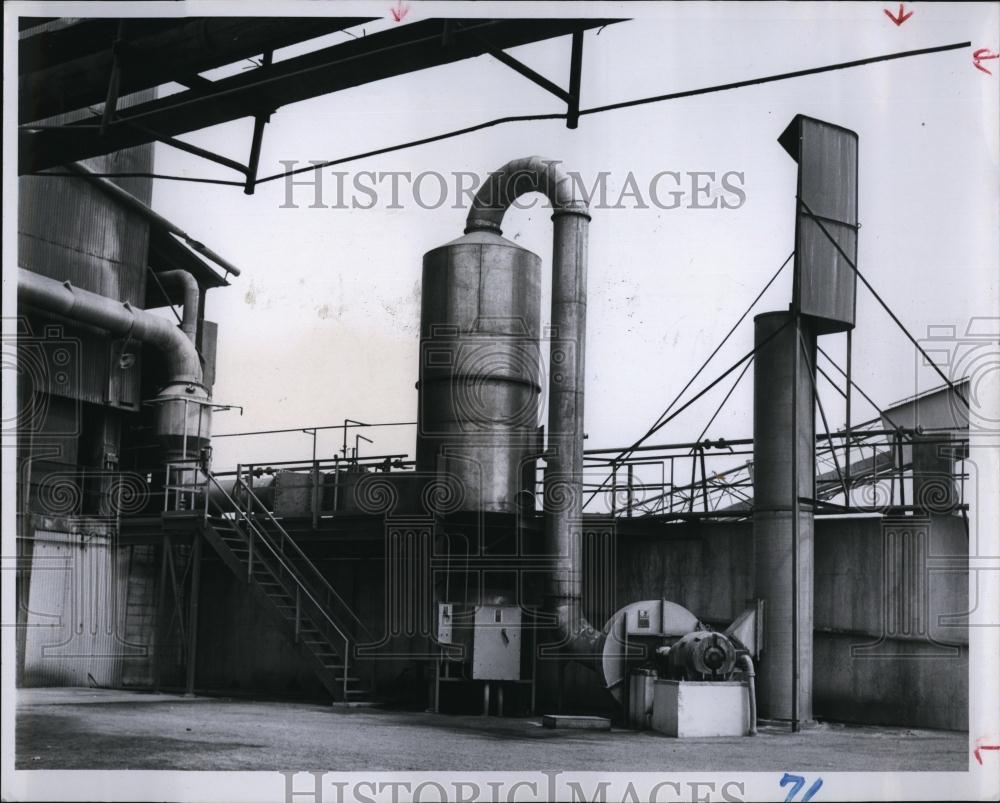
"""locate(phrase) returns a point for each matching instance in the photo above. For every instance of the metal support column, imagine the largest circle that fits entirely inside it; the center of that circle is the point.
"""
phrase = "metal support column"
(258, 136)
(847, 413)
(158, 646)
(575, 68)
(193, 613)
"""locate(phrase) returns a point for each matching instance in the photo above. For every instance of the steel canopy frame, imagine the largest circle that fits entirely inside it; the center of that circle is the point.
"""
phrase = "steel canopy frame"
(260, 92)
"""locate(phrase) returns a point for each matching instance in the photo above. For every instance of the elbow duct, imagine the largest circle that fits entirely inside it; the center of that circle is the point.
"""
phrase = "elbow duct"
(192, 298)
(563, 512)
(183, 422)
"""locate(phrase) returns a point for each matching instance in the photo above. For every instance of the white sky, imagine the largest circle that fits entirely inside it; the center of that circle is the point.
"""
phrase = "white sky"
(323, 323)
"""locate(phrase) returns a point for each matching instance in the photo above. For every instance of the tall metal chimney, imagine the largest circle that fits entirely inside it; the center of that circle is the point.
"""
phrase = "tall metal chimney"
(823, 301)
(783, 442)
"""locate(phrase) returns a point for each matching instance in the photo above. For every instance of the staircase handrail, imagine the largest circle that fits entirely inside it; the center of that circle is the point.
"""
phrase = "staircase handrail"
(299, 554)
(290, 570)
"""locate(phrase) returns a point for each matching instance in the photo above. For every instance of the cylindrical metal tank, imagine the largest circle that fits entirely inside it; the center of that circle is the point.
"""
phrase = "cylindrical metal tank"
(479, 369)
(185, 420)
(773, 523)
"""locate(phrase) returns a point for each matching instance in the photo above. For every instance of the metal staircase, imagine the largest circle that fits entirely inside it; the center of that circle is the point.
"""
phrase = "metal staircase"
(259, 551)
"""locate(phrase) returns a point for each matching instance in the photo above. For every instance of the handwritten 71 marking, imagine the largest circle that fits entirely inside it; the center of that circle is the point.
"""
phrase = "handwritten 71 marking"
(797, 782)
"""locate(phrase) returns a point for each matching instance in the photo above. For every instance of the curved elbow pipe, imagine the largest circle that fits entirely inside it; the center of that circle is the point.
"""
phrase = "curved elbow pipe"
(520, 177)
(564, 467)
(192, 297)
(118, 318)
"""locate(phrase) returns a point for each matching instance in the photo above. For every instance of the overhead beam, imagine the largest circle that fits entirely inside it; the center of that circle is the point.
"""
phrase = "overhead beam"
(54, 81)
(524, 69)
(396, 51)
(54, 40)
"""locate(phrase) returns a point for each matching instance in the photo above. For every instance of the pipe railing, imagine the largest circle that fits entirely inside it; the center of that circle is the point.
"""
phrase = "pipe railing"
(699, 478)
(302, 591)
(257, 508)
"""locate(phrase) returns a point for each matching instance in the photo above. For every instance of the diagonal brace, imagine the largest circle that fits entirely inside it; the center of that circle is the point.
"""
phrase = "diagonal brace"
(520, 67)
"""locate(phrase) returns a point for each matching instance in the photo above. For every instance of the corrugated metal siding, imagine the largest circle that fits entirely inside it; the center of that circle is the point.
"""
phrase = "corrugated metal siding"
(69, 230)
(75, 634)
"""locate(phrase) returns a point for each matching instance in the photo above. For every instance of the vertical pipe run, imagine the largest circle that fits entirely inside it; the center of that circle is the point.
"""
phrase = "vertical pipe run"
(563, 514)
(847, 414)
(784, 457)
(796, 524)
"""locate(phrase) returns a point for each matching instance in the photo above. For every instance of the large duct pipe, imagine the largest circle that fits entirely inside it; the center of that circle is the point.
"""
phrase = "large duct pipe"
(183, 422)
(188, 285)
(564, 468)
(777, 448)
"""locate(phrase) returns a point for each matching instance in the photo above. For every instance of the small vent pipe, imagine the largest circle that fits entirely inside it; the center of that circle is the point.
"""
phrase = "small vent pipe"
(563, 503)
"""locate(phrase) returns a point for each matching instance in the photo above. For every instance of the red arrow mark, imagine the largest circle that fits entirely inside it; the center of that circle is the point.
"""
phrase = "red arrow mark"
(980, 746)
(900, 17)
(983, 54)
(399, 11)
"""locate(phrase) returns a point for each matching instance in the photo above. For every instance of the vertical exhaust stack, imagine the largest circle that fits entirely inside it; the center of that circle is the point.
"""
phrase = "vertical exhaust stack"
(776, 457)
(824, 290)
(563, 513)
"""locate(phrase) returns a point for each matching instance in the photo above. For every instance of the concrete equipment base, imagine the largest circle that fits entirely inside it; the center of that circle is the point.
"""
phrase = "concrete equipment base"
(576, 722)
(688, 708)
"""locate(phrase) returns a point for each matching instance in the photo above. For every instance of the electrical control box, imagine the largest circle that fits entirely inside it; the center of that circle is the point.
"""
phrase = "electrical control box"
(489, 635)
(496, 650)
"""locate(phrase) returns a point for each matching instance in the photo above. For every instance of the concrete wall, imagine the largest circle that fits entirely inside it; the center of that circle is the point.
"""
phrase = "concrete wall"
(891, 646)
(891, 641)
(240, 646)
(243, 648)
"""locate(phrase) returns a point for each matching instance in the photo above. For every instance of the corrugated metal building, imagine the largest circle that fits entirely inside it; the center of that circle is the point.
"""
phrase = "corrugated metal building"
(87, 603)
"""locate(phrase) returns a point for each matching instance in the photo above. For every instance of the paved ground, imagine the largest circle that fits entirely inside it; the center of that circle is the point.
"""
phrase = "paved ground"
(88, 728)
